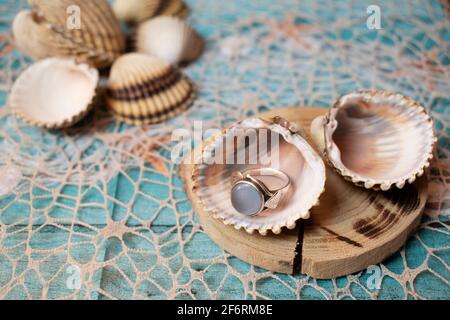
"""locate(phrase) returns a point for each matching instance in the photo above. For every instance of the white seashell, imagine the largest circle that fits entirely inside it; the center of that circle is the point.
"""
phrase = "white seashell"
(170, 39)
(376, 139)
(54, 92)
(292, 155)
(135, 11)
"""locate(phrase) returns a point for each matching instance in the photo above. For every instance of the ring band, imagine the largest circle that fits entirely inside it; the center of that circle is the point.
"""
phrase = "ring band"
(250, 196)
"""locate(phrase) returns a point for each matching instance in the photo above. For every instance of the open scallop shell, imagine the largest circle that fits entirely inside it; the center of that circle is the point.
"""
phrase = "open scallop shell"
(170, 39)
(54, 92)
(276, 144)
(144, 89)
(46, 32)
(376, 139)
(136, 11)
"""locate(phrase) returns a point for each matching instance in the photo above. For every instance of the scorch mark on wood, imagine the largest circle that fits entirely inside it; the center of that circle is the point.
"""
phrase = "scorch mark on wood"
(406, 200)
(342, 238)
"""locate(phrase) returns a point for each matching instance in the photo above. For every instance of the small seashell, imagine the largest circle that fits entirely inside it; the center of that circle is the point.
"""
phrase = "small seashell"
(175, 8)
(135, 11)
(54, 92)
(376, 139)
(45, 31)
(143, 89)
(170, 39)
(275, 144)
(32, 38)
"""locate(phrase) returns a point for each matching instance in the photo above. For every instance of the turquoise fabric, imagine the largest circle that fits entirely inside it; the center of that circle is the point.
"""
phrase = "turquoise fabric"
(103, 201)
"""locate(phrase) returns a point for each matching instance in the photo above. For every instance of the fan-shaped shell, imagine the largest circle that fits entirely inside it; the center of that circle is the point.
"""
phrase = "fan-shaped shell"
(54, 92)
(176, 8)
(145, 89)
(136, 11)
(170, 39)
(277, 144)
(45, 31)
(376, 139)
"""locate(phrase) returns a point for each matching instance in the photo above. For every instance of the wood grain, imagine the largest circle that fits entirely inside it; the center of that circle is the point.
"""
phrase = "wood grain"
(351, 228)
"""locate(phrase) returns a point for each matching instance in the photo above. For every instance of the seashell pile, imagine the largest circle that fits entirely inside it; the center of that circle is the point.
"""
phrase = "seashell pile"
(170, 39)
(54, 92)
(144, 89)
(43, 32)
(136, 11)
(295, 157)
(141, 89)
(376, 139)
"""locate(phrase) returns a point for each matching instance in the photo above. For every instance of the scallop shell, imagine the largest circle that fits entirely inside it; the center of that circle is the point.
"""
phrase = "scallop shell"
(44, 32)
(376, 139)
(286, 150)
(136, 11)
(176, 8)
(54, 92)
(144, 89)
(170, 39)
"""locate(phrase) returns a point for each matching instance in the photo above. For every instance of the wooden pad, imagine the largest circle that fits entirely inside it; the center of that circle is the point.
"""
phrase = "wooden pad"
(351, 229)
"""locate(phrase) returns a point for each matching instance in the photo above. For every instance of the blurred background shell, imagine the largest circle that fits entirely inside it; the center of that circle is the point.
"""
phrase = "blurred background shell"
(176, 8)
(170, 39)
(136, 11)
(144, 89)
(276, 144)
(376, 139)
(45, 31)
(54, 92)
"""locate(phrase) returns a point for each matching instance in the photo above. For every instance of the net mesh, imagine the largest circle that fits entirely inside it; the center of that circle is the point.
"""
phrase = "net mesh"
(98, 211)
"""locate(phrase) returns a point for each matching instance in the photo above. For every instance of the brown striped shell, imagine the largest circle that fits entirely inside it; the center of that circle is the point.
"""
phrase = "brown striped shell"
(275, 144)
(376, 139)
(54, 92)
(144, 89)
(136, 11)
(46, 32)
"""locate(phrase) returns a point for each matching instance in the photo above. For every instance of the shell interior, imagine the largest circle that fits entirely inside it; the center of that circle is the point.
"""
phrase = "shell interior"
(378, 139)
(54, 92)
(145, 89)
(275, 147)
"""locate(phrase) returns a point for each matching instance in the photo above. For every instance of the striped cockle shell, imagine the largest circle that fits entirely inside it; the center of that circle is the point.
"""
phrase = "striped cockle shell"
(292, 154)
(170, 39)
(47, 31)
(376, 139)
(54, 92)
(143, 89)
(137, 11)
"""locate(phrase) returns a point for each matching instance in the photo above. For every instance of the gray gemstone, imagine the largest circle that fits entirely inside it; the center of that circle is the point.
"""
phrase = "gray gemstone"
(246, 199)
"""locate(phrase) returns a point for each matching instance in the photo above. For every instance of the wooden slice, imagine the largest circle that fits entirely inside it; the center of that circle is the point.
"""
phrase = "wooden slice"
(351, 229)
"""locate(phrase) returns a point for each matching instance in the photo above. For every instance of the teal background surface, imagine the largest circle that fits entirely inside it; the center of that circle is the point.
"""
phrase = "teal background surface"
(102, 200)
